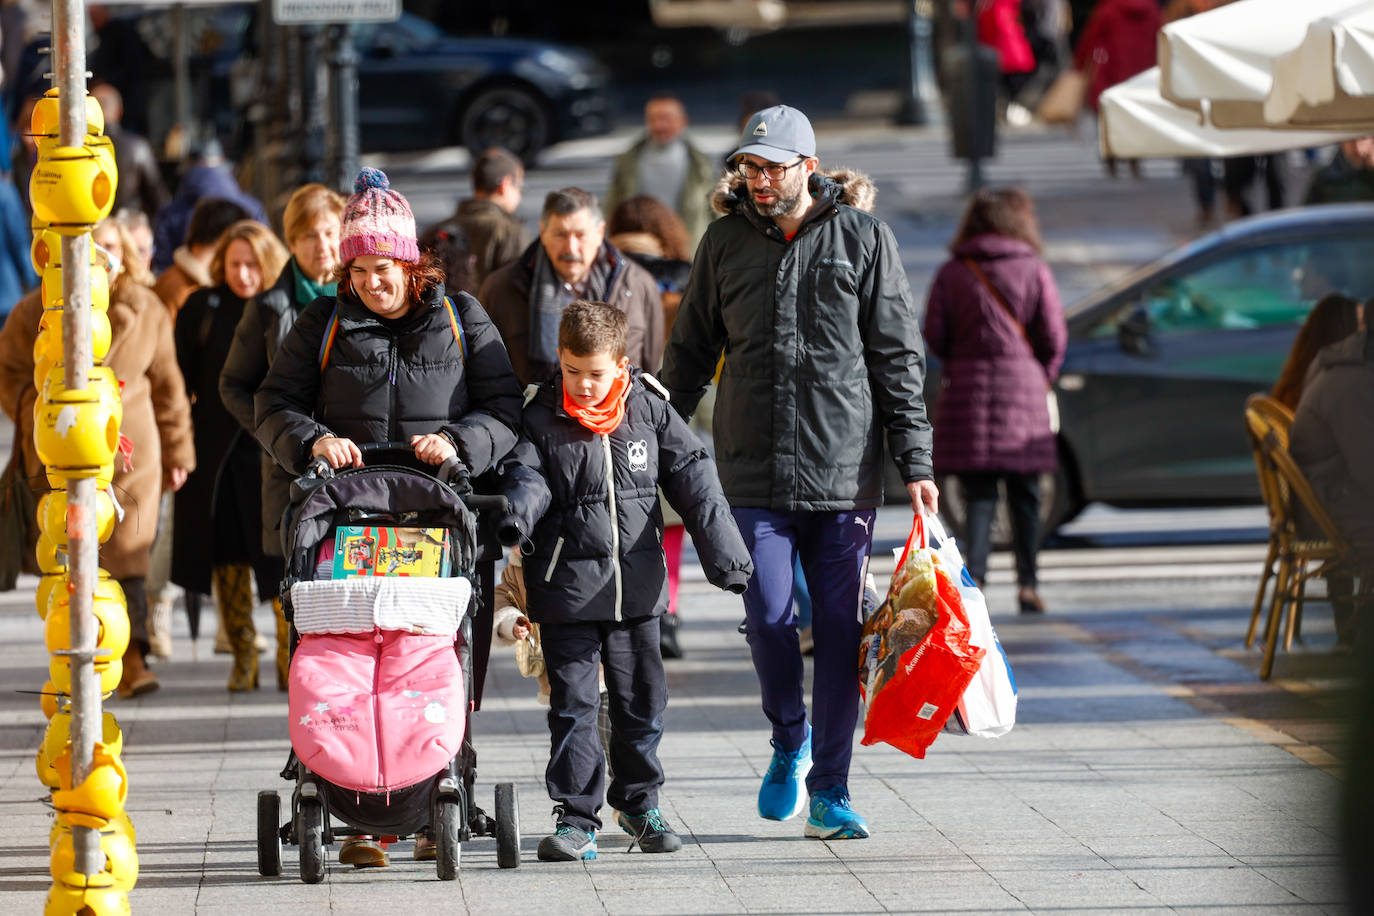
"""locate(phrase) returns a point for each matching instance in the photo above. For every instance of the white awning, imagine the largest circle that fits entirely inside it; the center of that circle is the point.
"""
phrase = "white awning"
(1228, 58)
(1136, 122)
(1329, 78)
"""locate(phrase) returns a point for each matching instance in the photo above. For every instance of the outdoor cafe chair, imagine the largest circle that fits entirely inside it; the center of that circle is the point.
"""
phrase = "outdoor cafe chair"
(1301, 557)
(1272, 414)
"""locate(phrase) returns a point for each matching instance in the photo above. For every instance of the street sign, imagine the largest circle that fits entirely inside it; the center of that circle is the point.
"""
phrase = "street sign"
(325, 12)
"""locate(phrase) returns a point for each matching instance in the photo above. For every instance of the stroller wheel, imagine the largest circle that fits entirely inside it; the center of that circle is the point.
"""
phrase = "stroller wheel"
(269, 833)
(447, 848)
(311, 833)
(507, 825)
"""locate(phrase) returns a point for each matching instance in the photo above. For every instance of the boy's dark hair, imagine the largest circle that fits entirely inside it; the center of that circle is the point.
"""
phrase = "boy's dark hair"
(588, 328)
(493, 166)
(567, 201)
(210, 218)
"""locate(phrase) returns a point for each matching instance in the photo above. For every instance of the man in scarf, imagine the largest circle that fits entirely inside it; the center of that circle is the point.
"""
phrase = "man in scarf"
(570, 260)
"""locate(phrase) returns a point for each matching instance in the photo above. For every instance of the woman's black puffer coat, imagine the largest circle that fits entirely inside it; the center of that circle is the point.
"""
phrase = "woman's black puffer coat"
(385, 380)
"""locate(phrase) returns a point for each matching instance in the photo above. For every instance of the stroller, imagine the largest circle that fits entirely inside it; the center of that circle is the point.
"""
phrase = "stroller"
(374, 671)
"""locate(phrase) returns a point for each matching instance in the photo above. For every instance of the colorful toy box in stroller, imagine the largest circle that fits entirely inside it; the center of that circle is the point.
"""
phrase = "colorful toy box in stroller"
(379, 590)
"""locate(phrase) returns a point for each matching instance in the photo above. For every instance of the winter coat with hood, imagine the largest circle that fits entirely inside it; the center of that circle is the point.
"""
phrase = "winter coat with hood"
(1332, 440)
(822, 349)
(218, 517)
(633, 290)
(386, 380)
(267, 318)
(991, 414)
(169, 226)
(595, 548)
(1117, 43)
(157, 416)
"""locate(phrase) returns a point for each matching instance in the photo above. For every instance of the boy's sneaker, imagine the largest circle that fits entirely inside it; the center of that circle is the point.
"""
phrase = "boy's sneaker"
(832, 818)
(781, 796)
(651, 831)
(567, 844)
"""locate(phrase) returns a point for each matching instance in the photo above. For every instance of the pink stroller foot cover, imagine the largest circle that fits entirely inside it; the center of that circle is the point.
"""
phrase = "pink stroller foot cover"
(376, 711)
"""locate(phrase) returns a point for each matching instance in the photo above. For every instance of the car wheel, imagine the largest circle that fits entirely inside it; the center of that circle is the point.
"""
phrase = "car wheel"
(507, 116)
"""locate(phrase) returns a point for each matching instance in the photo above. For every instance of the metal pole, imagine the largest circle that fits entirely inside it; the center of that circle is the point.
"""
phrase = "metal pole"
(313, 116)
(181, 80)
(344, 62)
(69, 45)
(976, 97)
(919, 104)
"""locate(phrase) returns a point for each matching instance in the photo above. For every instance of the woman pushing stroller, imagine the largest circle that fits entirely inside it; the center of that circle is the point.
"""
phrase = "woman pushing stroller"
(390, 358)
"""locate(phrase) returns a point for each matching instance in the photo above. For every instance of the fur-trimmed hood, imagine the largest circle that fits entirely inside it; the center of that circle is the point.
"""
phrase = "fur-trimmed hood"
(849, 187)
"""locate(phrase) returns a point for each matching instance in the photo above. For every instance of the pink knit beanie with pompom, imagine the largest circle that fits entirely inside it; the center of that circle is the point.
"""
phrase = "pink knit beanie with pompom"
(377, 220)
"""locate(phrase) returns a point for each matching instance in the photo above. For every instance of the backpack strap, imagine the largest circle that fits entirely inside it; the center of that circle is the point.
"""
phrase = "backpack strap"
(332, 327)
(327, 342)
(457, 326)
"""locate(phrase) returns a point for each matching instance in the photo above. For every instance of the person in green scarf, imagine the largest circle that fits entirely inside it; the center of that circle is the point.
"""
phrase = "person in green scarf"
(311, 224)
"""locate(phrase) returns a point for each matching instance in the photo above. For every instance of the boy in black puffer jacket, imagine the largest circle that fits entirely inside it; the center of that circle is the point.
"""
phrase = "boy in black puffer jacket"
(604, 439)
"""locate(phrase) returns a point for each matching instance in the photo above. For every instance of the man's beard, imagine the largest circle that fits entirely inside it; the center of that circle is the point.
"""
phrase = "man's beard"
(781, 205)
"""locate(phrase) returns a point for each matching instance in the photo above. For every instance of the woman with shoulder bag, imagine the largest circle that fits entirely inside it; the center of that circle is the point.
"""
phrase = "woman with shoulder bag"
(995, 321)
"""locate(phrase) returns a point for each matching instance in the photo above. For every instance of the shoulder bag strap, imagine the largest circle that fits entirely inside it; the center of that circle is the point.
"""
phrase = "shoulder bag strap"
(997, 297)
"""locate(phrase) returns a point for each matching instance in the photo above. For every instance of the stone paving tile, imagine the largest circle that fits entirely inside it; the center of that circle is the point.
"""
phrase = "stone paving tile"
(1109, 784)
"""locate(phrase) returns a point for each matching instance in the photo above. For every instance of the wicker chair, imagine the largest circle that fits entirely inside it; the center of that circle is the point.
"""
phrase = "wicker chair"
(1300, 558)
(1269, 414)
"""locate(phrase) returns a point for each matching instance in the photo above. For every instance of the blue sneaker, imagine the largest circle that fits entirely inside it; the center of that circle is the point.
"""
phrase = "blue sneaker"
(567, 844)
(832, 818)
(781, 796)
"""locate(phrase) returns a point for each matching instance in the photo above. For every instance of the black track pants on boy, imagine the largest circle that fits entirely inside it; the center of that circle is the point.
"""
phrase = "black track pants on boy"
(638, 694)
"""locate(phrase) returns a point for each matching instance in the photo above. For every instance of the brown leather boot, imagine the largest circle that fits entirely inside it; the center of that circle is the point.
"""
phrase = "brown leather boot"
(137, 679)
(233, 591)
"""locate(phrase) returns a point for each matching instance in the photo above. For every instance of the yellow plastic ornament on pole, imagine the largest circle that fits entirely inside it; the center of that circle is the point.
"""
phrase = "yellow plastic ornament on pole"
(46, 120)
(52, 515)
(110, 612)
(109, 900)
(76, 432)
(108, 670)
(121, 862)
(71, 189)
(100, 797)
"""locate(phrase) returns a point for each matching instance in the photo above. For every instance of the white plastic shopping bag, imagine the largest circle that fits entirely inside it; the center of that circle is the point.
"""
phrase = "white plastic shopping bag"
(988, 707)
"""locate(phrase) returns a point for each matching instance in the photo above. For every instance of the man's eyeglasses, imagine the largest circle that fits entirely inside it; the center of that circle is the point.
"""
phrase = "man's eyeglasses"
(749, 171)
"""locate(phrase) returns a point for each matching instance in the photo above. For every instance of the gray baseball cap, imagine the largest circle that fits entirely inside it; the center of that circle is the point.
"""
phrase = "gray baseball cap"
(777, 134)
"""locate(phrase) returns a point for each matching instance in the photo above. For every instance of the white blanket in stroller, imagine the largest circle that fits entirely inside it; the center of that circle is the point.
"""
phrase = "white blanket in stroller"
(433, 607)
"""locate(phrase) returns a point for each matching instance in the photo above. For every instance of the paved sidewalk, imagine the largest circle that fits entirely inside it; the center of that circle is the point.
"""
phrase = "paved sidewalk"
(1150, 773)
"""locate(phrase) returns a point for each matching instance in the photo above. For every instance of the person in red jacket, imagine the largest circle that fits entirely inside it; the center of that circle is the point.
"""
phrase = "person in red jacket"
(1117, 43)
(1000, 28)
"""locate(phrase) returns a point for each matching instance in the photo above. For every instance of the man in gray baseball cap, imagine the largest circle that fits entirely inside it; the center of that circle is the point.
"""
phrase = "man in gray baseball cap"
(804, 292)
(777, 133)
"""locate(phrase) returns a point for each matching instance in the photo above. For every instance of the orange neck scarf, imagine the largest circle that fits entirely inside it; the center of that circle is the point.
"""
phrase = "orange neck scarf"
(606, 416)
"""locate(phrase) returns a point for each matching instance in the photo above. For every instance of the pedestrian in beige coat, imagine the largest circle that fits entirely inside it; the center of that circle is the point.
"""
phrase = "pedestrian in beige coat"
(157, 420)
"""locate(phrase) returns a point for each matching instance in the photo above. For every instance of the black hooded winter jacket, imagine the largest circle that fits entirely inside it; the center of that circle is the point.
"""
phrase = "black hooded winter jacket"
(1333, 440)
(822, 348)
(386, 380)
(595, 551)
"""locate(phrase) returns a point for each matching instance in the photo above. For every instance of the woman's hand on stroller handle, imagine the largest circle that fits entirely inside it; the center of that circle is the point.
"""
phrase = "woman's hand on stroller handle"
(338, 452)
(433, 448)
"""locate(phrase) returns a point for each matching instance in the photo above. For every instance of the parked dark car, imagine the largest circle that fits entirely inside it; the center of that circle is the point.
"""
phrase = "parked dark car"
(1159, 364)
(421, 88)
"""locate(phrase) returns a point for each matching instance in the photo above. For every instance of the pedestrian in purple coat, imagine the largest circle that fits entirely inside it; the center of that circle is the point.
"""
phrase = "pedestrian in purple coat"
(995, 321)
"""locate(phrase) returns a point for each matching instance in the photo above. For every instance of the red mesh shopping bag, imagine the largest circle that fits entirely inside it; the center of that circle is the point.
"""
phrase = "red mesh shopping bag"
(915, 660)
